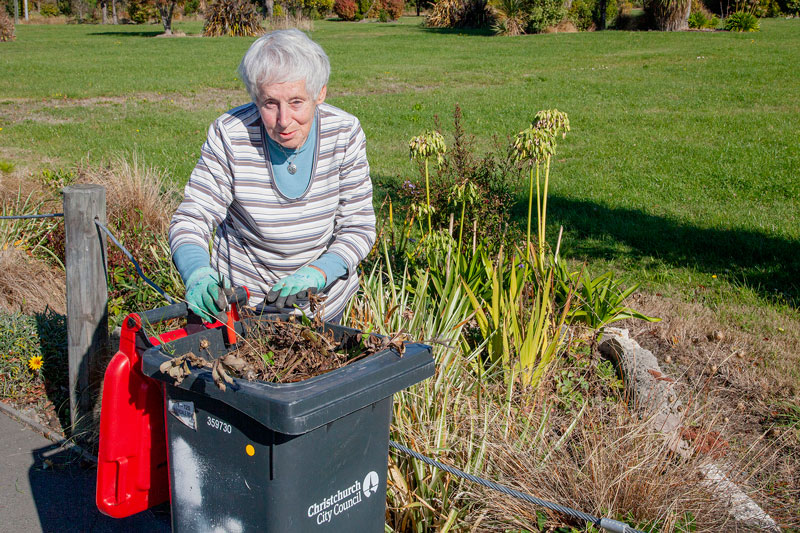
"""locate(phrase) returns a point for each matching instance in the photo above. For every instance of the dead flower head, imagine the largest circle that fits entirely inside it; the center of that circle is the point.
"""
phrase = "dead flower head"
(532, 145)
(429, 144)
(553, 121)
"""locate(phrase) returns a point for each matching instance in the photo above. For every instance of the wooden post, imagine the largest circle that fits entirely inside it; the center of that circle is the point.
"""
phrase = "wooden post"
(87, 298)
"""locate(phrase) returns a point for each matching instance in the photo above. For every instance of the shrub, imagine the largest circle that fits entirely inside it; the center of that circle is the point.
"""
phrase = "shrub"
(699, 20)
(234, 18)
(345, 9)
(141, 11)
(394, 8)
(6, 27)
(586, 14)
(767, 8)
(544, 13)
(792, 7)
(581, 14)
(459, 14)
(742, 21)
(191, 7)
(510, 17)
(317, 9)
(49, 10)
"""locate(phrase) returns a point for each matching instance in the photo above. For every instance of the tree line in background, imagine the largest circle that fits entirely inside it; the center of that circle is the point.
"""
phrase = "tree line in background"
(147, 11)
(516, 17)
(504, 17)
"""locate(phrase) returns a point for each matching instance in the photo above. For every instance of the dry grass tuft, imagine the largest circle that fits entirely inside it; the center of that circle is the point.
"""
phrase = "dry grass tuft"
(286, 22)
(29, 285)
(610, 464)
(742, 363)
(134, 189)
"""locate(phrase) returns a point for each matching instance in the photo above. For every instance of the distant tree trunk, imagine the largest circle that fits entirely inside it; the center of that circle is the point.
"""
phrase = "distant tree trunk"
(269, 8)
(418, 2)
(166, 8)
(114, 18)
(670, 15)
(104, 10)
(25, 6)
(603, 12)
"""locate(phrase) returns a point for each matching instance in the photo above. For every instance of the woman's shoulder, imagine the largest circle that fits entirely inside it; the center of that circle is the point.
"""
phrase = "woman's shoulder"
(242, 116)
(333, 116)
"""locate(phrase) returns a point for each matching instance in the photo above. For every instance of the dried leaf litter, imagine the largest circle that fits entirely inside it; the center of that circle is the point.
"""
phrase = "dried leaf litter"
(281, 352)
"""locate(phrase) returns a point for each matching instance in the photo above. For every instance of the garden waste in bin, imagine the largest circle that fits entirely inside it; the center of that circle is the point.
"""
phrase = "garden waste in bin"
(258, 456)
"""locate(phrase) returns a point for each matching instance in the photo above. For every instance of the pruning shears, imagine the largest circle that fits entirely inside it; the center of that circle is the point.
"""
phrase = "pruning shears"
(226, 300)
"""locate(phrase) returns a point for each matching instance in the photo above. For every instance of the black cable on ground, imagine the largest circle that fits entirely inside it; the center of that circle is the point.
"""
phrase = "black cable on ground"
(603, 523)
(20, 217)
(132, 260)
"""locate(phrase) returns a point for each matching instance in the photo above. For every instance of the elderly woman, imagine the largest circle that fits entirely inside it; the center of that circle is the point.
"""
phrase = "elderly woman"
(282, 186)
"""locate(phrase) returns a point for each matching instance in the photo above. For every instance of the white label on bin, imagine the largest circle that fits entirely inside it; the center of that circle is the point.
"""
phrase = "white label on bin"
(323, 512)
(183, 411)
(371, 484)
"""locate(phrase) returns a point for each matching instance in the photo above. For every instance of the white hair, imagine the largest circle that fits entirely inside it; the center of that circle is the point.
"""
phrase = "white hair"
(284, 55)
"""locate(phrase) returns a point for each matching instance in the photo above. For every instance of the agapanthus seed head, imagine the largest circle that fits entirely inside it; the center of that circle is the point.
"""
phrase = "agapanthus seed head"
(533, 145)
(552, 120)
(429, 144)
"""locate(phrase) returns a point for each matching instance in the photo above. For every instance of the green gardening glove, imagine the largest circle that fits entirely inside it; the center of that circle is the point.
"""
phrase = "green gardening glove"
(285, 292)
(205, 296)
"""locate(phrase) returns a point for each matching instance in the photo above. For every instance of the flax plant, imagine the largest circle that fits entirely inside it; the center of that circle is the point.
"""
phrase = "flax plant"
(523, 331)
(429, 144)
(440, 417)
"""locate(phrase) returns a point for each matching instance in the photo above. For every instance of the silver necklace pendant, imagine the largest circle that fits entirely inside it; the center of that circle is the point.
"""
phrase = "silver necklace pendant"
(292, 168)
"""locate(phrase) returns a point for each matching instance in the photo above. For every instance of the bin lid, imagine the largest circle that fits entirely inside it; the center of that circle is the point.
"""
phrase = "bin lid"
(297, 408)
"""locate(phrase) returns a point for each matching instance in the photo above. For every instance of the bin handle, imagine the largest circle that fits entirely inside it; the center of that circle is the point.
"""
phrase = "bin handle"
(181, 309)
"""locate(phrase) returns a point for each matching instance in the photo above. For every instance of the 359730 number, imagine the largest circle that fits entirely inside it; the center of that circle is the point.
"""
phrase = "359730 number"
(218, 424)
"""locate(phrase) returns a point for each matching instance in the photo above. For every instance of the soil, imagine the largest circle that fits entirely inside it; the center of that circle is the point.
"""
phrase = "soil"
(743, 382)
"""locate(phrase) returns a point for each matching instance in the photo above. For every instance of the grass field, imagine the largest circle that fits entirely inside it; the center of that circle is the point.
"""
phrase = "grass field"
(680, 170)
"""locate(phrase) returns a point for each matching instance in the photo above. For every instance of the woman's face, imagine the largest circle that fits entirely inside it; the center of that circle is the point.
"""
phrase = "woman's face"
(287, 111)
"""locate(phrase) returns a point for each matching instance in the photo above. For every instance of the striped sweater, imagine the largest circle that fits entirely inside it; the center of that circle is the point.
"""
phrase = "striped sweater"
(259, 234)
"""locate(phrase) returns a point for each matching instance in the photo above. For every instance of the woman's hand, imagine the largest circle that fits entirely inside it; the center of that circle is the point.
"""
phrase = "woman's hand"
(204, 294)
(284, 293)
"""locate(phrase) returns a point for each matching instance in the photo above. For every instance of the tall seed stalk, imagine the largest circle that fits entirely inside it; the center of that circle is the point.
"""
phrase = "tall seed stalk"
(535, 147)
(429, 144)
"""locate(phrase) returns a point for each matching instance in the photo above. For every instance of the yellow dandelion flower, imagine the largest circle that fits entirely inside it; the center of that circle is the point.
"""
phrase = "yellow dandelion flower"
(35, 362)
(714, 276)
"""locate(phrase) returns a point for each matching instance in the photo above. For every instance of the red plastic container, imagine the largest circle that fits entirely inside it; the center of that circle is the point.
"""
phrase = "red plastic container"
(132, 469)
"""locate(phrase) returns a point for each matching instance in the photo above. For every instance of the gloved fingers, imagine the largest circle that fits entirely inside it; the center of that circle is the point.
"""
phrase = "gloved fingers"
(280, 302)
(303, 295)
(210, 299)
(200, 312)
(291, 300)
(221, 300)
(272, 296)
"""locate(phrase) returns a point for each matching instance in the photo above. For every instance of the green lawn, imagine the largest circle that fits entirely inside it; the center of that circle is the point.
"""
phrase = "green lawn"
(682, 163)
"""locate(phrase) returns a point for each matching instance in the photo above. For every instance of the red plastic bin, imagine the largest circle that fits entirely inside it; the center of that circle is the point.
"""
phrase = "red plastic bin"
(132, 469)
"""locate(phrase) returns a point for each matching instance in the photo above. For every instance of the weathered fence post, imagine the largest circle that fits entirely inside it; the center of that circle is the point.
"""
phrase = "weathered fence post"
(87, 297)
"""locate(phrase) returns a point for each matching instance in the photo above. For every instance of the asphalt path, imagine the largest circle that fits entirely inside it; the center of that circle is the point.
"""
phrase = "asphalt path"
(44, 487)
